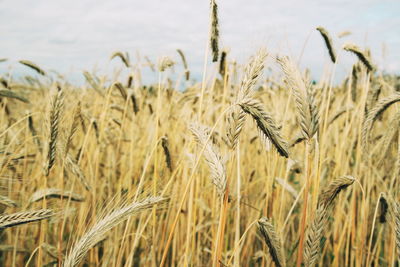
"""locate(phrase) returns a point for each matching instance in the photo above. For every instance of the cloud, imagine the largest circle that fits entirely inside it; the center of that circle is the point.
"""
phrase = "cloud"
(72, 36)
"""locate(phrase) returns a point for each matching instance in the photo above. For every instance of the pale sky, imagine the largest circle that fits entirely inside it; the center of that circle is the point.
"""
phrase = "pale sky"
(72, 36)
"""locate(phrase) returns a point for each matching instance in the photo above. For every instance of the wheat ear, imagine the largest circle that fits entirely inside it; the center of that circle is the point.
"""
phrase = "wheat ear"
(96, 232)
(54, 193)
(303, 95)
(328, 43)
(124, 58)
(214, 36)
(55, 118)
(212, 157)
(12, 94)
(332, 190)
(373, 114)
(314, 234)
(185, 65)
(362, 56)
(33, 66)
(273, 241)
(237, 117)
(7, 202)
(14, 219)
(266, 125)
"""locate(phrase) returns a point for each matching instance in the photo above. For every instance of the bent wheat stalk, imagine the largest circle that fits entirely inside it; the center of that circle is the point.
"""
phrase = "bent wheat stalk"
(96, 232)
(23, 217)
(328, 42)
(266, 125)
(273, 241)
(362, 56)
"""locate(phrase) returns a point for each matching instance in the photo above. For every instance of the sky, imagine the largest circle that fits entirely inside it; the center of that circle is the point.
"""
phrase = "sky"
(71, 36)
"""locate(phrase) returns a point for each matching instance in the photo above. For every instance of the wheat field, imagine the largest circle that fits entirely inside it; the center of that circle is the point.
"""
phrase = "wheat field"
(242, 168)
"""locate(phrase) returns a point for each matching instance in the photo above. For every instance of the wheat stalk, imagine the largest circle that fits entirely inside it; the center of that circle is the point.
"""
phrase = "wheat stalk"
(272, 240)
(165, 146)
(304, 97)
(185, 65)
(7, 202)
(362, 56)
(23, 217)
(222, 63)
(214, 36)
(373, 114)
(124, 57)
(266, 125)
(237, 117)
(97, 232)
(33, 66)
(314, 234)
(165, 63)
(332, 190)
(12, 94)
(54, 193)
(55, 118)
(76, 113)
(328, 42)
(212, 157)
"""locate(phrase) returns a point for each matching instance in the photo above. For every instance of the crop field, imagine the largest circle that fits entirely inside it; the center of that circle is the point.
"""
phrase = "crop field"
(256, 164)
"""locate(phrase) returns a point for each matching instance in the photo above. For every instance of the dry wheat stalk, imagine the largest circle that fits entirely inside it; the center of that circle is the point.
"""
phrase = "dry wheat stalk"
(8, 202)
(72, 166)
(298, 138)
(135, 105)
(373, 114)
(328, 42)
(33, 66)
(185, 65)
(12, 94)
(314, 234)
(394, 209)
(55, 118)
(34, 132)
(97, 232)
(389, 136)
(165, 63)
(76, 113)
(55, 193)
(124, 57)
(121, 89)
(272, 240)
(165, 146)
(304, 97)
(235, 120)
(332, 190)
(212, 157)
(356, 69)
(51, 250)
(384, 207)
(237, 117)
(362, 56)
(23, 217)
(266, 125)
(252, 72)
(339, 113)
(222, 63)
(214, 35)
